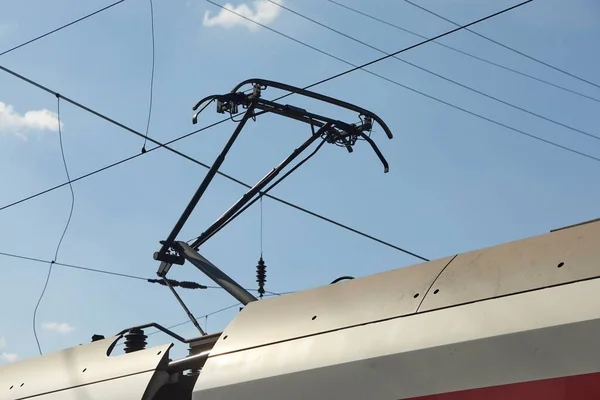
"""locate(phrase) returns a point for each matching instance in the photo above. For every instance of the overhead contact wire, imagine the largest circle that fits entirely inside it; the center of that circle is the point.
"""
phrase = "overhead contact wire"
(505, 46)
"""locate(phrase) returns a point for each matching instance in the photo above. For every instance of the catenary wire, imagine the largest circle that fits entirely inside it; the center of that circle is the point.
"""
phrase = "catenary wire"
(62, 236)
(471, 55)
(356, 67)
(509, 104)
(61, 28)
(307, 87)
(441, 35)
(505, 46)
(151, 77)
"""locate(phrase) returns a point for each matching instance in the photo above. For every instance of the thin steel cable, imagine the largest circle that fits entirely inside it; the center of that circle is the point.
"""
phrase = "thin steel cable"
(102, 271)
(471, 55)
(455, 82)
(61, 27)
(151, 78)
(188, 321)
(505, 46)
(209, 314)
(205, 316)
(200, 317)
(39, 260)
(410, 88)
(62, 236)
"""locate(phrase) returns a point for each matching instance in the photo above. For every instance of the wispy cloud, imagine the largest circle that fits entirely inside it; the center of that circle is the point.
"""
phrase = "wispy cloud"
(9, 357)
(21, 124)
(261, 11)
(59, 327)
(4, 356)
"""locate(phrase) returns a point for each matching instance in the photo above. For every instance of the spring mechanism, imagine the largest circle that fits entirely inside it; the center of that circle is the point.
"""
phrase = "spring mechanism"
(135, 340)
(261, 276)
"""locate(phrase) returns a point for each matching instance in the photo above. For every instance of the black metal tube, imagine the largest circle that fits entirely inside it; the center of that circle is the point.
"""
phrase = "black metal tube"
(185, 308)
(257, 188)
(316, 96)
(386, 167)
(248, 205)
(205, 182)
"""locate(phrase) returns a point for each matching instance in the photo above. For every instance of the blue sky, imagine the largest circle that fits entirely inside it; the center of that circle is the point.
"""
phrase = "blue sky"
(456, 183)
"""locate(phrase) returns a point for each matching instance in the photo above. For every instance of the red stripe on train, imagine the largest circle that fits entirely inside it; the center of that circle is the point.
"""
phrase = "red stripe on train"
(578, 387)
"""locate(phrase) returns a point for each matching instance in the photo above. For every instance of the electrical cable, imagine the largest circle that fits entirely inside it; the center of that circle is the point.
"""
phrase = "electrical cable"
(362, 66)
(121, 275)
(509, 104)
(101, 271)
(231, 178)
(504, 67)
(61, 27)
(151, 78)
(200, 317)
(205, 316)
(170, 327)
(505, 46)
(98, 114)
(414, 90)
(62, 151)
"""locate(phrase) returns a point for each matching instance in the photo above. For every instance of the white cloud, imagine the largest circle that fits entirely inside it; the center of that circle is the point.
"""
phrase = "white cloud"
(262, 11)
(60, 327)
(9, 357)
(37, 120)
